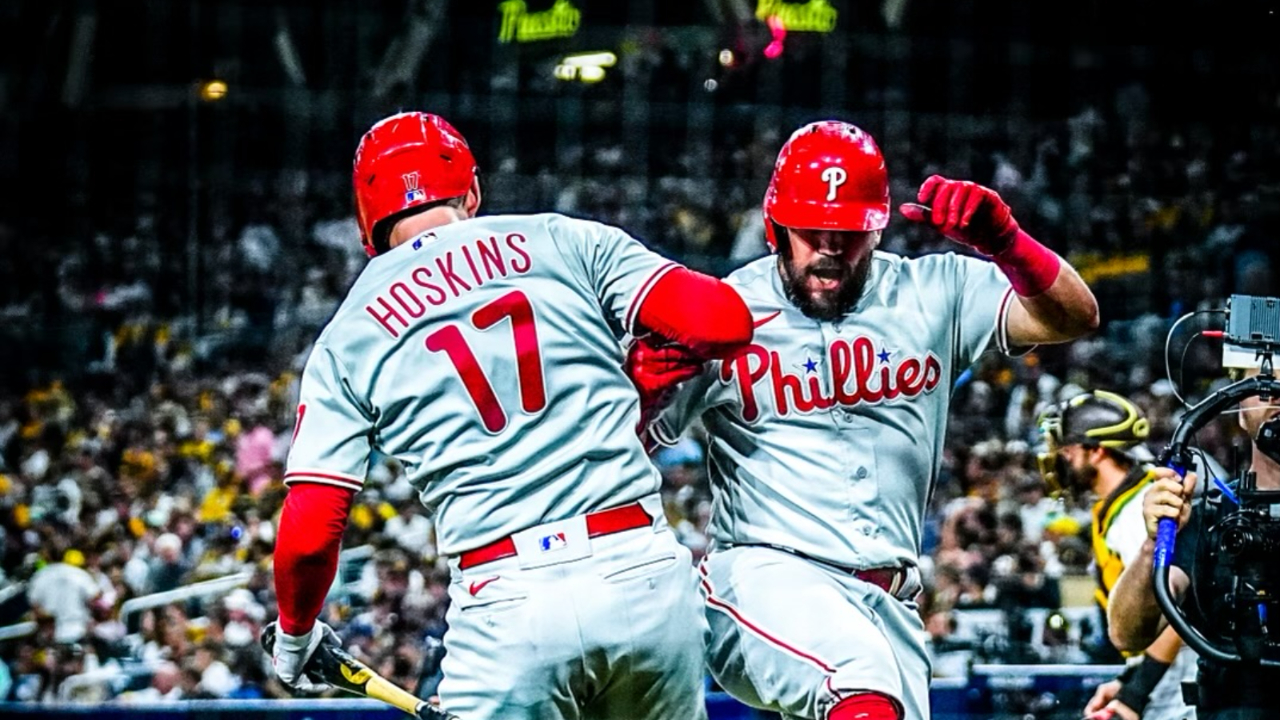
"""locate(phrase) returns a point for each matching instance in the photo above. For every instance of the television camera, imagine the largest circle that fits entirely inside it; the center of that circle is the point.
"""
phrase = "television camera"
(1245, 534)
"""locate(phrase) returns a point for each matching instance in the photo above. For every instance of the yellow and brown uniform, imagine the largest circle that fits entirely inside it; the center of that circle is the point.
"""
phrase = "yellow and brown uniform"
(1118, 529)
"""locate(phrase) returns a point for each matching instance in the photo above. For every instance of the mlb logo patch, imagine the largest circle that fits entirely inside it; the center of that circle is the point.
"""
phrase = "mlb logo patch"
(412, 190)
(550, 543)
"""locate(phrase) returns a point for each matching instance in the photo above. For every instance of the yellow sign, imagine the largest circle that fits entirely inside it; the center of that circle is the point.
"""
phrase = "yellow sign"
(520, 25)
(811, 16)
(1094, 268)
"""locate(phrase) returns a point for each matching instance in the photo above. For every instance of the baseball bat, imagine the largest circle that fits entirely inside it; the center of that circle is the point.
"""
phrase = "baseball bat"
(337, 667)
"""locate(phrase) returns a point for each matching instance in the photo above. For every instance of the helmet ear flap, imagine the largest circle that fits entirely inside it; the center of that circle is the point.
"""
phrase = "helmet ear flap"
(770, 227)
(772, 233)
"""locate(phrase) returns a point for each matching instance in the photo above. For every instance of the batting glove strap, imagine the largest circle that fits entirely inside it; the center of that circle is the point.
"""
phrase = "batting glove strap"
(1139, 681)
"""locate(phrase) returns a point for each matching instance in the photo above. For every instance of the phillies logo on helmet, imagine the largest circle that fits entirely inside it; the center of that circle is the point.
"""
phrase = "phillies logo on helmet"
(828, 176)
(834, 176)
(412, 191)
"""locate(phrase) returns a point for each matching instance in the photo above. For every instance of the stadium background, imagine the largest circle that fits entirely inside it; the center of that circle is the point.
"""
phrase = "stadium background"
(176, 226)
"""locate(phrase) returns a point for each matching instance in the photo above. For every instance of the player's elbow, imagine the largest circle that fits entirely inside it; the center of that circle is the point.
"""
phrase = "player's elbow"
(1080, 314)
(1127, 639)
(1079, 323)
(1119, 638)
(727, 327)
(1126, 632)
(1090, 317)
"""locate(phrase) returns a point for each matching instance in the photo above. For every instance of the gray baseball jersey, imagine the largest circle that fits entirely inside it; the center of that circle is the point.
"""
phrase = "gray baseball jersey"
(826, 437)
(825, 440)
(485, 357)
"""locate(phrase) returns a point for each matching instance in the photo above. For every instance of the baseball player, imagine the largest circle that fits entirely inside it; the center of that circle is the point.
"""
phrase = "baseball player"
(1093, 443)
(483, 354)
(825, 434)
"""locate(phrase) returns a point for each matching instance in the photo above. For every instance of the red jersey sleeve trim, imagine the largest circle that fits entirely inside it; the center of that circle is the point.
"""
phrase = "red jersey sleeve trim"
(1002, 328)
(342, 480)
(633, 310)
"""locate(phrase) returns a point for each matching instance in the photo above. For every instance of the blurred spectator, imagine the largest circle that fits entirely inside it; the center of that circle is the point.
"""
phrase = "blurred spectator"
(64, 591)
(255, 455)
(1034, 506)
(245, 618)
(213, 677)
(166, 686)
(168, 567)
(411, 529)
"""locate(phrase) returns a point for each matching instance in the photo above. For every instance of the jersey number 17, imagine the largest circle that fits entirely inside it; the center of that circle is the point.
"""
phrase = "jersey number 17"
(449, 340)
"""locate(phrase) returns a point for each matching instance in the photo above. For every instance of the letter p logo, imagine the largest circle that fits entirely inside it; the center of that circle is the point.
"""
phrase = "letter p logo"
(834, 177)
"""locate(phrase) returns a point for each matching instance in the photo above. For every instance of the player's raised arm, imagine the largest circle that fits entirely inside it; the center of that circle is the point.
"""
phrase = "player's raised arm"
(1054, 305)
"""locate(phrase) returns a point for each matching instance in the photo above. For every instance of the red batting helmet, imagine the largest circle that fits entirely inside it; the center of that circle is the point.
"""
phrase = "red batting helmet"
(829, 176)
(403, 162)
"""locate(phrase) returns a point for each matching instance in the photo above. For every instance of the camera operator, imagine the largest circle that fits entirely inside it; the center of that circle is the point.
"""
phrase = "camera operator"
(1227, 690)
(1094, 445)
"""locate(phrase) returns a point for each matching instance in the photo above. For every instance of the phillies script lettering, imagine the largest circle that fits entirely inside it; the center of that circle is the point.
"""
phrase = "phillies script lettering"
(450, 275)
(857, 376)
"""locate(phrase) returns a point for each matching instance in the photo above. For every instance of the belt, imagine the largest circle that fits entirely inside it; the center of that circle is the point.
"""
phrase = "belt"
(888, 579)
(605, 522)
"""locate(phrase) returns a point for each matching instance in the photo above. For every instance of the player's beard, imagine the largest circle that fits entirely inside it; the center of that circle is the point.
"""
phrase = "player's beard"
(824, 305)
(1081, 478)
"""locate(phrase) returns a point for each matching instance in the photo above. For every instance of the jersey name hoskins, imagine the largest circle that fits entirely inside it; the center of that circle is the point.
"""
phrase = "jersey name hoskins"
(857, 375)
(448, 275)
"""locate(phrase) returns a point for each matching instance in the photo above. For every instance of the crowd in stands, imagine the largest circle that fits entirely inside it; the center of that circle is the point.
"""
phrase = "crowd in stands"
(147, 454)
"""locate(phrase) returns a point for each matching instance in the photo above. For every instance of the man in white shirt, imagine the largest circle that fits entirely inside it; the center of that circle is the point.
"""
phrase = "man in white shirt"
(63, 590)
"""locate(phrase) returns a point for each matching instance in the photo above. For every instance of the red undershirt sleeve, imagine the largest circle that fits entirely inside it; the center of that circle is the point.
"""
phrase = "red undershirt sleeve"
(312, 524)
(701, 313)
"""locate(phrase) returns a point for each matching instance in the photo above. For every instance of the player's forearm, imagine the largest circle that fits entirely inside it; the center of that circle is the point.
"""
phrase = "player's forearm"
(1166, 647)
(1133, 616)
(699, 312)
(312, 524)
(1064, 311)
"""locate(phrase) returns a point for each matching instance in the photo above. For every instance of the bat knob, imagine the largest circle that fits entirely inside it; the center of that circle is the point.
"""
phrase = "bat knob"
(427, 711)
(268, 638)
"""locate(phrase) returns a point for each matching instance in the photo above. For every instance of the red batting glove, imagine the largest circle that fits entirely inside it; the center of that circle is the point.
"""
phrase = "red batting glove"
(965, 212)
(656, 372)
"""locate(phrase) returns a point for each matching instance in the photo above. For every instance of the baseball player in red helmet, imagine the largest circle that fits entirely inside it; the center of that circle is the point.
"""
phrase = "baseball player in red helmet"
(825, 434)
(483, 353)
